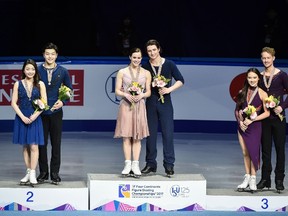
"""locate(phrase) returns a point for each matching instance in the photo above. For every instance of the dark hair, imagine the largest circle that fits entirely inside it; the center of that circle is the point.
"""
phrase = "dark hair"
(135, 50)
(242, 95)
(36, 76)
(154, 42)
(50, 46)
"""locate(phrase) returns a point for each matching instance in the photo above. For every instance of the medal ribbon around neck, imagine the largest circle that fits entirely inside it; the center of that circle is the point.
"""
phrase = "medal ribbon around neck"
(135, 79)
(49, 73)
(253, 95)
(267, 85)
(159, 69)
(28, 91)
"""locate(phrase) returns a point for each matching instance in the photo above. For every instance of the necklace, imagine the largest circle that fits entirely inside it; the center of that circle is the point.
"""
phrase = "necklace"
(135, 79)
(49, 73)
(159, 69)
(28, 90)
(267, 85)
(251, 96)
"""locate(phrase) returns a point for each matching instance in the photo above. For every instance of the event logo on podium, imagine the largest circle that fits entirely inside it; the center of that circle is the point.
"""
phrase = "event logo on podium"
(124, 191)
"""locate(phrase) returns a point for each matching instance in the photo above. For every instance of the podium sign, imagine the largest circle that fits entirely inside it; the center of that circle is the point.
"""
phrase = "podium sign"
(66, 196)
(150, 193)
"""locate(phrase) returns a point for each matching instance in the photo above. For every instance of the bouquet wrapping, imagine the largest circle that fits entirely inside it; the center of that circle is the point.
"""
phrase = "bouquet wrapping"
(251, 112)
(40, 105)
(135, 89)
(65, 93)
(160, 81)
(271, 102)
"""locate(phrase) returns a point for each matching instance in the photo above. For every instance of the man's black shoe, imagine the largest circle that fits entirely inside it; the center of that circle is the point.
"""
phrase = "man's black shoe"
(43, 176)
(147, 169)
(55, 178)
(279, 185)
(169, 171)
(264, 183)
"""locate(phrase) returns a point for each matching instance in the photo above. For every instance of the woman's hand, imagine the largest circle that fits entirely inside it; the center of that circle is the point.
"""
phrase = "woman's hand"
(26, 120)
(243, 127)
(129, 97)
(247, 122)
(137, 98)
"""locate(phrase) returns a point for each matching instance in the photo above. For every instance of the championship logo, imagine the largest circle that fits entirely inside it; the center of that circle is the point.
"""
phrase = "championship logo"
(124, 191)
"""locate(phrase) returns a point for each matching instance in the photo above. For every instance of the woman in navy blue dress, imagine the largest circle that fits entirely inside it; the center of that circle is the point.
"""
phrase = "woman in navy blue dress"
(28, 128)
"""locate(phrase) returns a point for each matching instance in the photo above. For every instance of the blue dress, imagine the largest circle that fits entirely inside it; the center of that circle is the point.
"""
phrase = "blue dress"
(27, 133)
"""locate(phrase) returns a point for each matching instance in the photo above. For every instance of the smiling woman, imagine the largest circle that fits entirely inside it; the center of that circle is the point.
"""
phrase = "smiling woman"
(133, 84)
(250, 110)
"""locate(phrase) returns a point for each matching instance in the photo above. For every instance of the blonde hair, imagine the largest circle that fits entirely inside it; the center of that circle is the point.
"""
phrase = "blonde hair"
(269, 50)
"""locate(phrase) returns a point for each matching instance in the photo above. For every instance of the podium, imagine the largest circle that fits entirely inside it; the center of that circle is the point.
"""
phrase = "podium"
(181, 192)
(232, 200)
(65, 196)
(156, 193)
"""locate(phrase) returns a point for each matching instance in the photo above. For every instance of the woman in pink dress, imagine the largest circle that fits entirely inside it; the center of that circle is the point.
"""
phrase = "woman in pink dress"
(133, 85)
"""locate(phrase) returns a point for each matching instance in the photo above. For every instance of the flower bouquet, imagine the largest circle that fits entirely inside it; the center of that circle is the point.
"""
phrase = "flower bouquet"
(250, 111)
(272, 102)
(65, 93)
(40, 104)
(135, 89)
(160, 81)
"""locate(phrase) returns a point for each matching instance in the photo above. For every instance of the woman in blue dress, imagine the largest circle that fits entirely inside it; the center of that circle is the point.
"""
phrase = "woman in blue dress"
(28, 128)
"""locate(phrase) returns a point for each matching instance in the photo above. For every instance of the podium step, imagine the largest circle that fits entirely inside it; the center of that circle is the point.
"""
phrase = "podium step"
(147, 193)
(232, 200)
(65, 196)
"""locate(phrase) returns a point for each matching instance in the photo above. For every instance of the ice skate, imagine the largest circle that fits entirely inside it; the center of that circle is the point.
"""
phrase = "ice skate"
(33, 180)
(136, 169)
(279, 186)
(252, 184)
(264, 183)
(169, 171)
(148, 170)
(43, 177)
(126, 172)
(25, 180)
(244, 184)
(55, 178)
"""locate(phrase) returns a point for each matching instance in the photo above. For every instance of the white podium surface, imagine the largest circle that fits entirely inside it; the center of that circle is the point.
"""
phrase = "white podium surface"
(109, 192)
(65, 196)
(232, 200)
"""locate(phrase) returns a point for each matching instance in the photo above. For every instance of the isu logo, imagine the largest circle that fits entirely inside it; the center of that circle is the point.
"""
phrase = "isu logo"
(110, 85)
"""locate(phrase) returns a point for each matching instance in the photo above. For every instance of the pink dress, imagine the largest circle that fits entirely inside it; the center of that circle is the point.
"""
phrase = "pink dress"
(132, 122)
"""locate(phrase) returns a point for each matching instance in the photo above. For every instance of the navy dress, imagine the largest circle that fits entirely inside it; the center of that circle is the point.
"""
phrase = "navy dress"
(27, 133)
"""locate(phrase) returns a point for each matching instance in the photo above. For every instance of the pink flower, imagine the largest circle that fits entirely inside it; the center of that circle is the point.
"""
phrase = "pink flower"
(160, 81)
(253, 116)
(135, 89)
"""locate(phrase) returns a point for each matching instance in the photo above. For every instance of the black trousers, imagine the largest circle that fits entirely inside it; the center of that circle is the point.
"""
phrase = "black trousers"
(273, 131)
(52, 125)
(163, 114)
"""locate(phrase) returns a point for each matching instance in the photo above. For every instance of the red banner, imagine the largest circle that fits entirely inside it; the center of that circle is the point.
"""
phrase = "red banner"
(9, 77)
